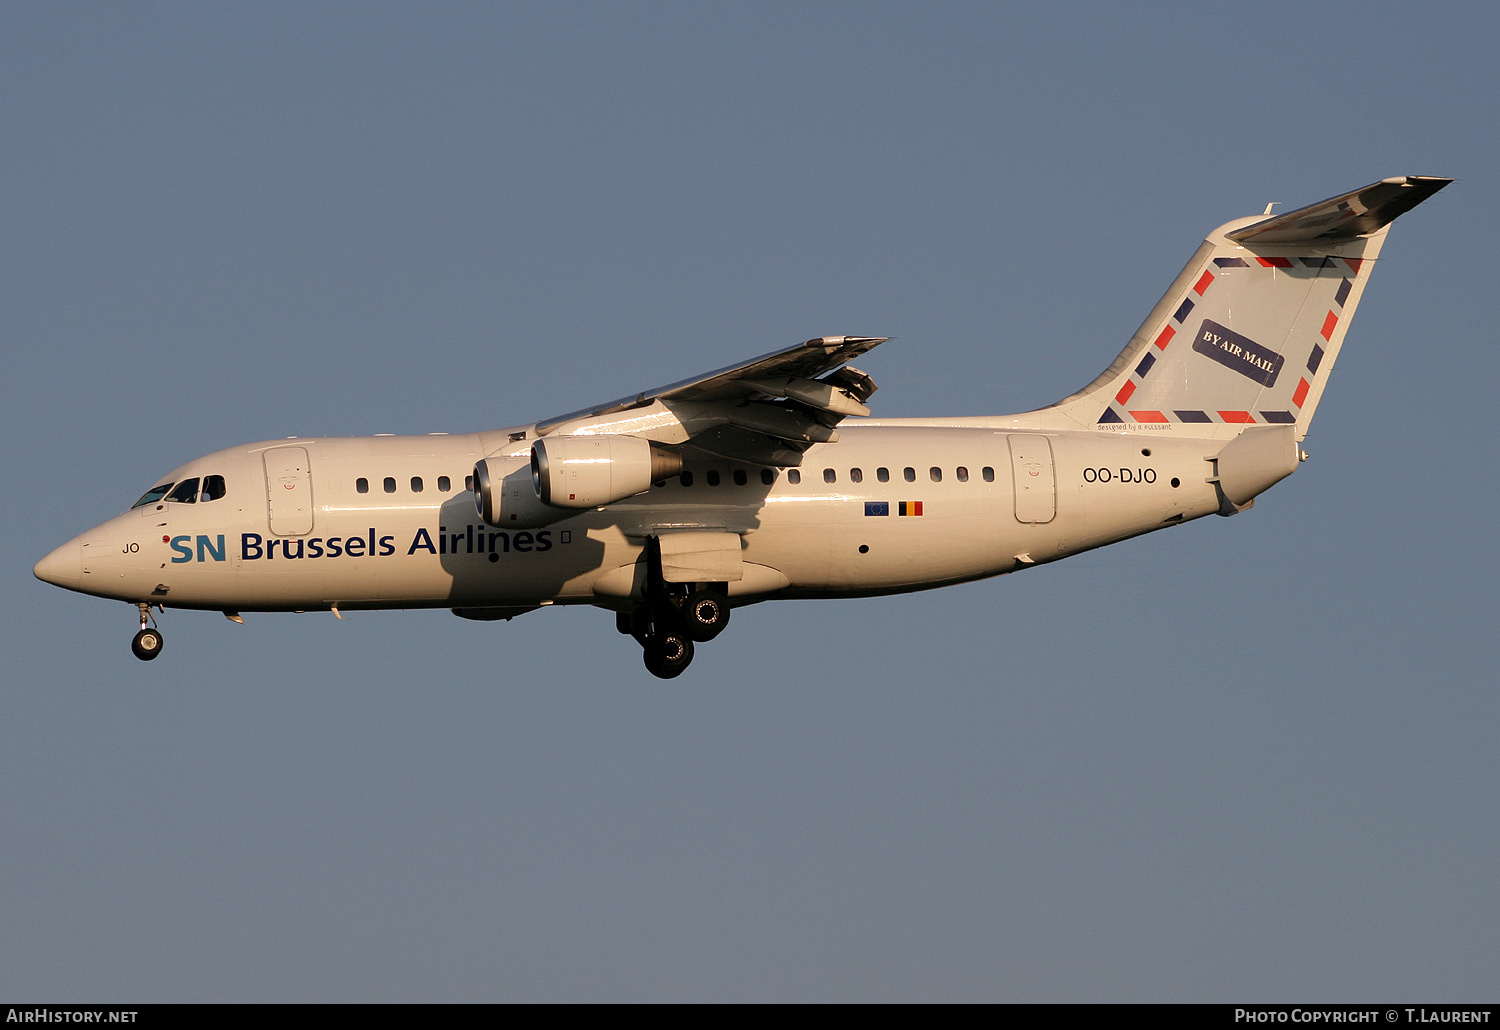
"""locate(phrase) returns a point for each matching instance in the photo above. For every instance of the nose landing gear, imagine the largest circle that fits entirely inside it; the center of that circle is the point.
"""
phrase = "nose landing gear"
(147, 644)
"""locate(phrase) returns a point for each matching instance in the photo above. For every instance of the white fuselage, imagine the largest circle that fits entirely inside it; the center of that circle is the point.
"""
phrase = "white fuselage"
(980, 499)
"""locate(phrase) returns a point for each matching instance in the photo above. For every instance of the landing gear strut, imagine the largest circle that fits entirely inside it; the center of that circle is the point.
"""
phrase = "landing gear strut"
(666, 645)
(147, 644)
(667, 623)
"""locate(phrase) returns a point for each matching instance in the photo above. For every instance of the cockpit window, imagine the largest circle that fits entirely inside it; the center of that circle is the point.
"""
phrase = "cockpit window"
(213, 488)
(153, 495)
(186, 492)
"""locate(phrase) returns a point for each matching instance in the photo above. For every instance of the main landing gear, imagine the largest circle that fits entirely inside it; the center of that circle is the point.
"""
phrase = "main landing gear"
(148, 642)
(673, 617)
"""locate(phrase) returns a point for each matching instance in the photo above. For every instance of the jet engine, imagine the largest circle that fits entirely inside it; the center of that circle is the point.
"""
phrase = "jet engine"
(505, 497)
(592, 471)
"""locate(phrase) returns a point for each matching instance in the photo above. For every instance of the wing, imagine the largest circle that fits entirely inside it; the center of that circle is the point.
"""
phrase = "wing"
(767, 410)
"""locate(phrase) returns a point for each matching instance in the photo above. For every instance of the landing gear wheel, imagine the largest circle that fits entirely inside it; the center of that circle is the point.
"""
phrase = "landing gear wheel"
(668, 654)
(147, 644)
(705, 613)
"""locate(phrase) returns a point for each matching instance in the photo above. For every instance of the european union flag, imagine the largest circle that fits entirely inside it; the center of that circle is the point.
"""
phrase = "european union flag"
(877, 507)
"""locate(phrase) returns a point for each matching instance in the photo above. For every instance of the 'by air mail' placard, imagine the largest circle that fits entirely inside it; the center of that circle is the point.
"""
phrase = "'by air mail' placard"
(1240, 353)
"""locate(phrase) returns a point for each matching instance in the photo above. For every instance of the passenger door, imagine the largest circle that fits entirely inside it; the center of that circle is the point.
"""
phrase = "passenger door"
(289, 490)
(1035, 482)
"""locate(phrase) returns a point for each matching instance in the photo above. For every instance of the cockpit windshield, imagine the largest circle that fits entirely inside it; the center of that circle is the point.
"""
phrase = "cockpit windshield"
(186, 492)
(153, 495)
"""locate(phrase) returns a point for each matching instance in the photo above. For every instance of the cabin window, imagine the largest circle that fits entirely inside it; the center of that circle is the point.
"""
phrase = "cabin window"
(767, 476)
(362, 485)
(416, 484)
(883, 474)
(794, 476)
(444, 484)
(712, 477)
(830, 476)
(213, 488)
(686, 479)
(740, 479)
(989, 474)
(935, 474)
(962, 474)
(153, 495)
(186, 492)
(390, 484)
(856, 476)
(468, 482)
(909, 474)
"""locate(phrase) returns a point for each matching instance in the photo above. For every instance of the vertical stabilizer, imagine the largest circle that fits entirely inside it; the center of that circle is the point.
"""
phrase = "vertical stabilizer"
(1249, 332)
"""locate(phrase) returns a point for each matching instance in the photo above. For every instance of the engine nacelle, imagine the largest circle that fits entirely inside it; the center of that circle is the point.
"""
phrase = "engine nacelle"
(591, 471)
(505, 497)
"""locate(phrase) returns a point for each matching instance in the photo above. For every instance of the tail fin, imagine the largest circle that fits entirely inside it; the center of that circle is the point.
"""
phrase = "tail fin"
(1249, 332)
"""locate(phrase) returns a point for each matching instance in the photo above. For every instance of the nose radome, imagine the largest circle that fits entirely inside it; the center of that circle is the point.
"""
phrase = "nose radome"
(63, 567)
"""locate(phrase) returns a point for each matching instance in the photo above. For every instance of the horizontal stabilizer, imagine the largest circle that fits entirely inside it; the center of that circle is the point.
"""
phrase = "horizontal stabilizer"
(1345, 217)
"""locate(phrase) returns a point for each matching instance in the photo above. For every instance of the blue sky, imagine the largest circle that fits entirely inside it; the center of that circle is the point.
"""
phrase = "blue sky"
(1246, 758)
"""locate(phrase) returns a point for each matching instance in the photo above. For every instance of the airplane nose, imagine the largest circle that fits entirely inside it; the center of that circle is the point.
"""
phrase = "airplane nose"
(63, 567)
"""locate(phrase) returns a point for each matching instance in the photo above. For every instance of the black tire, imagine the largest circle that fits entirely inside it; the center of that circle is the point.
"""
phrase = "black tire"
(705, 613)
(147, 644)
(667, 655)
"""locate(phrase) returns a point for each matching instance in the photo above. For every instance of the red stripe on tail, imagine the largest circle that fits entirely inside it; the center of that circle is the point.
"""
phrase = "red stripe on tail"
(1328, 325)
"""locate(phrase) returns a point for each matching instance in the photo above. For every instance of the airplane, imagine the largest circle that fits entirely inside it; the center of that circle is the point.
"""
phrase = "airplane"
(769, 479)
